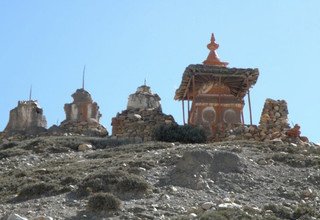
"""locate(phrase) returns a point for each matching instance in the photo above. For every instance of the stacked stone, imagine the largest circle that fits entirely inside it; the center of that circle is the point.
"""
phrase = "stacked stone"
(139, 123)
(274, 120)
(273, 124)
(87, 128)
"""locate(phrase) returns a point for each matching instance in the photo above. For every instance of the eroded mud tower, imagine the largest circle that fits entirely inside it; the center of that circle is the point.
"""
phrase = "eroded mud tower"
(142, 116)
(26, 118)
(82, 115)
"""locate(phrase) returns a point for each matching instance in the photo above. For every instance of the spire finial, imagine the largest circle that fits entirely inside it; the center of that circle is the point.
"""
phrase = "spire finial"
(83, 74)
(30, 93)
(213, 59)
(145, 81)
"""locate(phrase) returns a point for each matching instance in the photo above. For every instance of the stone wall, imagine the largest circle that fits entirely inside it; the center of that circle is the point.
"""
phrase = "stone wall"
(274, 119)
(139, 123)
(26, 118)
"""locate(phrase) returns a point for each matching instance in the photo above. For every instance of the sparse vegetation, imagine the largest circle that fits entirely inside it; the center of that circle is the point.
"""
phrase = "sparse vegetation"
(118, 182)
(36, 190)
(182, 133)
(103, 202)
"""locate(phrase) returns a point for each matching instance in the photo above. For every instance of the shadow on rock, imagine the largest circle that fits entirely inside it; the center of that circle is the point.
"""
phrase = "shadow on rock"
(196, 166)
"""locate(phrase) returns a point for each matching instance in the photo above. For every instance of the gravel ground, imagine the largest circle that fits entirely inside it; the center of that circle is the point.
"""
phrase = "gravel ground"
(48, 176)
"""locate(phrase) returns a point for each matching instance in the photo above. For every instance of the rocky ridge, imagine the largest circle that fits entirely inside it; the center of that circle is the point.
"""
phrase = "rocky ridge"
(51, 177)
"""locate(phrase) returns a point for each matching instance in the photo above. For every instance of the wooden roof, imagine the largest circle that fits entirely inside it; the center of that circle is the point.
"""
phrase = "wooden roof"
(238, 80)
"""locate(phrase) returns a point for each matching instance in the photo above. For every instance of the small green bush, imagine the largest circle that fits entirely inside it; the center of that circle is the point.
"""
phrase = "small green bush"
(103, 201)
(179, 133)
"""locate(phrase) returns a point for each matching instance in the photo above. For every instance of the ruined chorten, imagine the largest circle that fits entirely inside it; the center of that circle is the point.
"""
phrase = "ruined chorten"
(26, 118)
(143, 98)
(82, 115)
(142, 116)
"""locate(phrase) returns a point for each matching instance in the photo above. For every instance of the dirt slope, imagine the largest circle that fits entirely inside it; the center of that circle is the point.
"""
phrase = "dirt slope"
(48, 176)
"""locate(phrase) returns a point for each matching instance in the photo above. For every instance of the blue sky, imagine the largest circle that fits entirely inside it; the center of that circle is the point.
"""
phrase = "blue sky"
(122, 42)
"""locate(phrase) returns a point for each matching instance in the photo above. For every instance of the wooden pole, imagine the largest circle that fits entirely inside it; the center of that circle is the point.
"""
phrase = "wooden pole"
(193, 88)
(188, 110)
(250, 111)
(242, 117)
(183, 116)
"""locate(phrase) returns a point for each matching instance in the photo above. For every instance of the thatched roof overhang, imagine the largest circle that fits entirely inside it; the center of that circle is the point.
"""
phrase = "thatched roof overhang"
(238, 80)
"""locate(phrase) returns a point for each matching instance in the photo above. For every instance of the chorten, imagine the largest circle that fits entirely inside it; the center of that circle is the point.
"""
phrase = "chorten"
(143, 98)
(83, 115)
(216, 93)
(142, 116)
(26, 118)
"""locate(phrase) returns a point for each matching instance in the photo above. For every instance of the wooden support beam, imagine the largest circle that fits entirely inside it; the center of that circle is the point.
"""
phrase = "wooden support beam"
(193, 88)
(250, 111)
(242, 117)
(183, 116)
(188, 111)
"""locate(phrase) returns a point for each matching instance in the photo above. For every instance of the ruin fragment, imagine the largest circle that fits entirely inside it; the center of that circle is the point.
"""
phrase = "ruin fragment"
(26, 118)
(82, 115)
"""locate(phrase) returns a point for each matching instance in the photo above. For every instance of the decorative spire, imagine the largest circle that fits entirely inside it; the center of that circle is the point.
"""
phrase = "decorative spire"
(213, 59)
(30, 93)
(83, 74)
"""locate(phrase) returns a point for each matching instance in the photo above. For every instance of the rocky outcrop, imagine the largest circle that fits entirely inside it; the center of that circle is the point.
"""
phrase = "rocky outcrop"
(26, 118)
(142, 116)
(82, 116)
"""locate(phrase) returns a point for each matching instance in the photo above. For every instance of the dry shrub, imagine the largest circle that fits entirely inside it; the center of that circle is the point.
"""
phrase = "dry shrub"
(103, 201)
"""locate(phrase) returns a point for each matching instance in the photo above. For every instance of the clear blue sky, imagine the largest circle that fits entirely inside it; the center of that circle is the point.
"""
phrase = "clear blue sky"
(122, 42)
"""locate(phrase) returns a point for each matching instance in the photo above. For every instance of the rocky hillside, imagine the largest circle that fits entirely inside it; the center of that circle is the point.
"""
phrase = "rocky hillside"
(98, 178)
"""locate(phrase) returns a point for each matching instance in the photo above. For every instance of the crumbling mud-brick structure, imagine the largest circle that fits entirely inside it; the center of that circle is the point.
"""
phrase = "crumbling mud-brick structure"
(142, 116)
(216, 93)
(82, 116)
(27, 118)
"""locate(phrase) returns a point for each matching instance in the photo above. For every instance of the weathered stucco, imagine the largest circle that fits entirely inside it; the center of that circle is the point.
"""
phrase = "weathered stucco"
(82, 116)
(82, 108)
(27, 117)
(143, 98)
